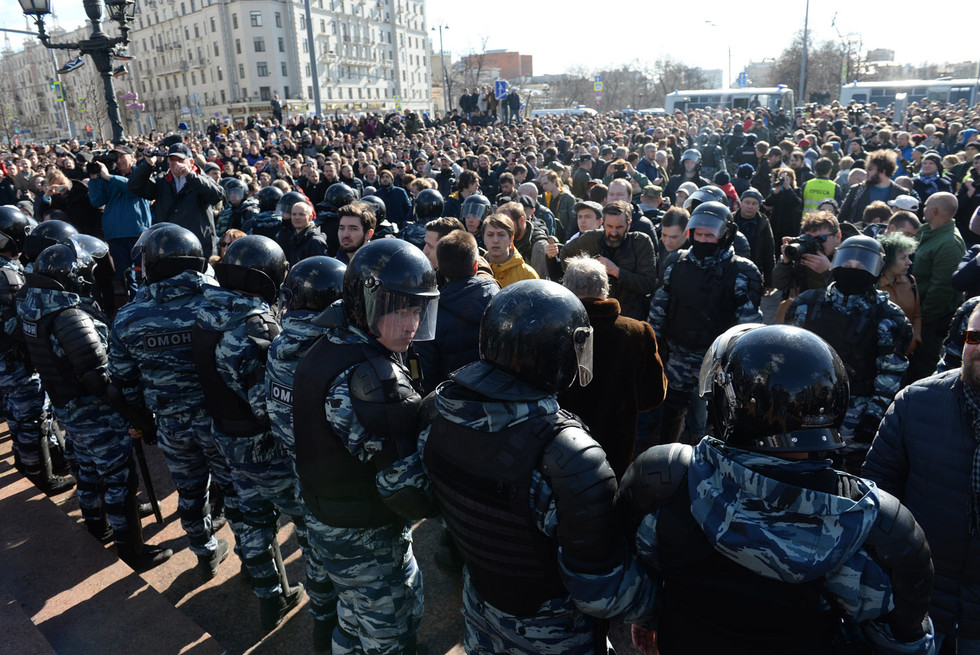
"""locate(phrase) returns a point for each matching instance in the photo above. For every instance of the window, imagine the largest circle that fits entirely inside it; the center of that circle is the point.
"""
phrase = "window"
(222, 96)
(187, 34)
(234, 21)
(255, 18)
(197, 31)
(278, 19)
(302, 22)
(282, 67)
(309, 92)
(265, 93)
(193, 78)
(238, 46)
(214, 27)
(262, 69)
(215, 48)
(323, 26)
(259, 44)
(306, 46)
(183, 9)
(220, 77)
(307, 70)
(241, 71)
(199, 53)
(282, 44)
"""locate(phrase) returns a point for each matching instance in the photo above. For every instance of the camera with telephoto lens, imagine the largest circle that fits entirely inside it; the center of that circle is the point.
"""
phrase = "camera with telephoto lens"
(106, 157)
(801, 245)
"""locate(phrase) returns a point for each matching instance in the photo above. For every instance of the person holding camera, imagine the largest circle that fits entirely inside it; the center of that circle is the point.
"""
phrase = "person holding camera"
(125, 214)
(805, 260)
(784, 204)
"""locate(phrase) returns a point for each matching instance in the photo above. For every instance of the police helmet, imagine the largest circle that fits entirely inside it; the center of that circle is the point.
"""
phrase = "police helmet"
(691, 154)
(254, 264)
(338, 194)
(268, 198)
(69, 265)
(390, 275)
(314, 283)
(377, 206)
(861, 252)
(136, 254)
(539, 332)
(709, 193)
(775, 388)
(14, 228)
(712, 216)
(235, 190)
(286, 202)
(47, 234)
(429, 205)
(170, 250)
(475, 205)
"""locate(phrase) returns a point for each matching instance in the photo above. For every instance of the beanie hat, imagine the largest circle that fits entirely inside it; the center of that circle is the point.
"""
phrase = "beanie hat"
(722, 178)
(934, 157)
(745, 171)
(752, 192)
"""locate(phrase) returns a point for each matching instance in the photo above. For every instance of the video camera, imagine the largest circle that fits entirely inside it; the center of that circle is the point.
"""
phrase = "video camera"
(107, 157)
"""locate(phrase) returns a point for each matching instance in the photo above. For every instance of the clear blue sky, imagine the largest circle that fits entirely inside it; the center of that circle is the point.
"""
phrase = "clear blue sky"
(576, 33)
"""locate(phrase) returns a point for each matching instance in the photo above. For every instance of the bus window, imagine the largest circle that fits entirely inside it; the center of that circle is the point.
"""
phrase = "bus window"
(740, 103)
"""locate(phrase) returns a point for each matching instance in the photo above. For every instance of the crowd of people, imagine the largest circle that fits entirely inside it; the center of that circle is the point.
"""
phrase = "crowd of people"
(527, 328)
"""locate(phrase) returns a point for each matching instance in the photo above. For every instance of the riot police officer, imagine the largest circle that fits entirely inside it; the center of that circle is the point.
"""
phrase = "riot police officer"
(239, 208)
(518, 479)
(229, 343)
(311, 287)
(21, 387)
(268, 221)
(67, 340)
(356, 419)
(757, 544)
(870, 333)
(706, 290)
(152, 371)
(384, 228)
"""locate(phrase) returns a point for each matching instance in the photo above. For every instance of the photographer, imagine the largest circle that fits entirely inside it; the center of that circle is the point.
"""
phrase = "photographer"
(805, 260)
(784, 205)
(125, 216)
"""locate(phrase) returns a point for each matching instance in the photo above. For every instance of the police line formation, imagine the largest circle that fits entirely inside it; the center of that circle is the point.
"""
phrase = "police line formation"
(305, 390)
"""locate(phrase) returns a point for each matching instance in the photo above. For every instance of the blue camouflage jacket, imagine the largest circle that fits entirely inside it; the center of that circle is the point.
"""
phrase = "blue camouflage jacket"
(150, 347)
(298, 334)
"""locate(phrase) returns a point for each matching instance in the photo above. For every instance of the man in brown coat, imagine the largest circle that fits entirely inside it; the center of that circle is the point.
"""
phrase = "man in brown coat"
(628, 374)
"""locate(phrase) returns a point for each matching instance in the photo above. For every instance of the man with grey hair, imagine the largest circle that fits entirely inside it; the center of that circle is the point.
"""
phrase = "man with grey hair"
(628, 374)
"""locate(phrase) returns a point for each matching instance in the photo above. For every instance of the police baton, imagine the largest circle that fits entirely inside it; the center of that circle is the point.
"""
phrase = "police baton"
(147, 482)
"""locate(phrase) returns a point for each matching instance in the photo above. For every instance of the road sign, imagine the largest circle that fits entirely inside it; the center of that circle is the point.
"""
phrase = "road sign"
(81, 105)
(59, 93)
(500, 89)
(743, 79)
(598, 78)
(597, 86)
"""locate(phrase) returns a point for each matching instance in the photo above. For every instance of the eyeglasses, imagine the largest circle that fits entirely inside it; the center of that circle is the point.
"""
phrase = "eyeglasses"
(971, 337)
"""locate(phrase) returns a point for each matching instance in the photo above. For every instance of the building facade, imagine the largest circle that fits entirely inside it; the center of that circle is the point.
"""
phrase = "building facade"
(198, 60)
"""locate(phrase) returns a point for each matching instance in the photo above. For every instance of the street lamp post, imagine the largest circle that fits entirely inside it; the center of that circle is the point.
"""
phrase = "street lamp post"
(98, 46)
(447, 84)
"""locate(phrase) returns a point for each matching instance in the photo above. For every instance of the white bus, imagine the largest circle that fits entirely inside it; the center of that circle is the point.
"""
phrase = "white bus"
(779, 97)
(883, 93)
(579, 110)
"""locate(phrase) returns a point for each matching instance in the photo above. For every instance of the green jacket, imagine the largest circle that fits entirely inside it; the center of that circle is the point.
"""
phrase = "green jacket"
(936, 259)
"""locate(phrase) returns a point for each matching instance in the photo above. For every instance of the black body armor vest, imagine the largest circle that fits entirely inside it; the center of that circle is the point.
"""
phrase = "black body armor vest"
(702, 302)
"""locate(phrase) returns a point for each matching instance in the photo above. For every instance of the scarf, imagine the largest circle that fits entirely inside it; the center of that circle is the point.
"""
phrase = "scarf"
(972, 398)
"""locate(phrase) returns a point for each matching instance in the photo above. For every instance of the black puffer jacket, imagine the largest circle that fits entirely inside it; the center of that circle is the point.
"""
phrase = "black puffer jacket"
(457, 342)
(923, 454)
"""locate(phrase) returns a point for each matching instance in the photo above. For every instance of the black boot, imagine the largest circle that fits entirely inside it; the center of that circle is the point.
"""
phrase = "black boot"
(132, 549)
(272, 610)
(49, 483)
(100, 529)
(208, 564)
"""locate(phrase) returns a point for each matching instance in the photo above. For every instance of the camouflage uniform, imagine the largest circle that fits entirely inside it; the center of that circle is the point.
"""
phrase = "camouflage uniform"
(770, 528)
(21, 388)
(563, 625)
(261, 469)
(894, 335)
(684, 364)
(234, 217)
(298, 334)
(952, 353)
(99, 435)
(378, 582)
(150, 361)
(265, 223)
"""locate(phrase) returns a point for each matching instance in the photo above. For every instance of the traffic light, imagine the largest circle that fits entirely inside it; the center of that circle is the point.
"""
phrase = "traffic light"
(59, 93)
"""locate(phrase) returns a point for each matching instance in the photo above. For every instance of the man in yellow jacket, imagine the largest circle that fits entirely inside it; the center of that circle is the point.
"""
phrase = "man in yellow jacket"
(507, 264)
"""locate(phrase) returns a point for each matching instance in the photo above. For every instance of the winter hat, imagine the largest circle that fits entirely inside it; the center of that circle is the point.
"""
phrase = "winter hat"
(934, 157)
(722, 178)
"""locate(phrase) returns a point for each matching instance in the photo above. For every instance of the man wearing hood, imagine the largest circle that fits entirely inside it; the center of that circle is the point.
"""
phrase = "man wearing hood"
(755, 543)
(869, 332)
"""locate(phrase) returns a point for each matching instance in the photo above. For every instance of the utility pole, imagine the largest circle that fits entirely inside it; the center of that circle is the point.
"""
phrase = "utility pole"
(806, 25)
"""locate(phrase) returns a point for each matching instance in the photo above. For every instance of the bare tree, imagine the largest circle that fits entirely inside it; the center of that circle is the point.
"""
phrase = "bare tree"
(473, 65)
(670, 75)
(570, 89)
